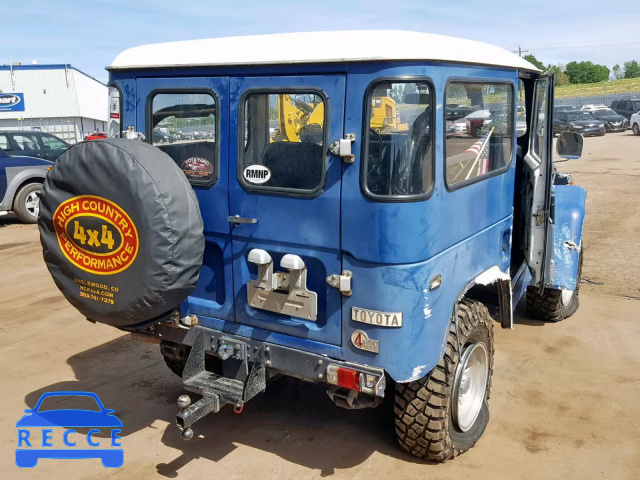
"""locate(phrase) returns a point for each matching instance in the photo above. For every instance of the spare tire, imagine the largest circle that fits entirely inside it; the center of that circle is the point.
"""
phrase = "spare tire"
(121, 231)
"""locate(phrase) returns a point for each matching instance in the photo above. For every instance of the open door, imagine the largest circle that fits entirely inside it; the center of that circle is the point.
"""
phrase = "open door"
(539, 178)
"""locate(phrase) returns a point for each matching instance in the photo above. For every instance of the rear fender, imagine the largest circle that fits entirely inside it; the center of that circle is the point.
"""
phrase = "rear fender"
(567, 236)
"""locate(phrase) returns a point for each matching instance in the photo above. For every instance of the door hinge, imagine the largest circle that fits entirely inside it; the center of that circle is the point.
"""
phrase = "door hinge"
(342, 147)
(341, 282)
(539, 217)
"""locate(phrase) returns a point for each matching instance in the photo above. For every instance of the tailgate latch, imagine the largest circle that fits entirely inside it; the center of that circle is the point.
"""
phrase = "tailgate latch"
(341, 282)
(342, 147)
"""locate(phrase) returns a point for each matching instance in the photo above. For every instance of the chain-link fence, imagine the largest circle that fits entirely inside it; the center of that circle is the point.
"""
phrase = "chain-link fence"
(601, 99)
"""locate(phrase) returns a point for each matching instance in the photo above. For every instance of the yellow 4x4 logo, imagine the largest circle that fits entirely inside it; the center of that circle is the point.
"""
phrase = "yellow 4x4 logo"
(96, 235)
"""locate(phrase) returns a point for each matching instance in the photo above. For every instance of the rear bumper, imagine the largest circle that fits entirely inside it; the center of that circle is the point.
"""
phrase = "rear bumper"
(278, 359)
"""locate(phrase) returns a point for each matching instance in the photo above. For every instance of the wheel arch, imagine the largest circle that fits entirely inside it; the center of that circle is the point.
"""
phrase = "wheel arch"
(21, 181)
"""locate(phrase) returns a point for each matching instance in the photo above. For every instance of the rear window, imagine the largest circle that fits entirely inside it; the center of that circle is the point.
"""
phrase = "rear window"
(481, 143)
(283, 146)
(4, 142)
(183, 125)
(398, 153)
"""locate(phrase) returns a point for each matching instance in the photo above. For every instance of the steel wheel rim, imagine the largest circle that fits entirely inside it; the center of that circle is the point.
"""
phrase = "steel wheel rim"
(470, 385)
(32, 203)
(566, 296)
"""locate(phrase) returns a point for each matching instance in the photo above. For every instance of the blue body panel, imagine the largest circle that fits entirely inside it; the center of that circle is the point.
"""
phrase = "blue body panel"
(214, 293)
(567, 235)
(305, 226)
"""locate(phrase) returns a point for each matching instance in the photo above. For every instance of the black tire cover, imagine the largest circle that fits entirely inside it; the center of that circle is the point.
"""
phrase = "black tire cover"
(121, 231)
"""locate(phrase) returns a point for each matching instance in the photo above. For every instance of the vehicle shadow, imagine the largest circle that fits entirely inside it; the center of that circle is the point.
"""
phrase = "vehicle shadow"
(292, 419)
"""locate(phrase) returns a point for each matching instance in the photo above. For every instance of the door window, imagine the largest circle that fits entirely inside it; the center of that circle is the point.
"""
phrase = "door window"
(480, 143)
(540, 114)
(398, 153)
(283, 147)
(183, 125)
(26, 142)
(52, 143)
(4, 142)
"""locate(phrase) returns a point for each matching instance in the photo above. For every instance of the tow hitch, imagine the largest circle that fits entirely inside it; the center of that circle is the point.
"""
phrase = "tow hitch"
(217, 390)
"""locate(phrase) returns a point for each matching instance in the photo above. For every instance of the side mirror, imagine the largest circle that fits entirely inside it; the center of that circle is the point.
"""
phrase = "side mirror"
(569, 145)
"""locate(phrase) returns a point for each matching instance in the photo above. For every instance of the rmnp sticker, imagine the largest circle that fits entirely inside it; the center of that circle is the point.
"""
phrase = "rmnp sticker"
(257, 174)
(96, 235)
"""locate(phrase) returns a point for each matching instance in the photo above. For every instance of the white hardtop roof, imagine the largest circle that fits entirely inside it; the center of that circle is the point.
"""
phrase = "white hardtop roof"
(318, 47)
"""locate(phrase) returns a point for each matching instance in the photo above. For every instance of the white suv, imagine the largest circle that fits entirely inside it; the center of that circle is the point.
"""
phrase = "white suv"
(635, 123)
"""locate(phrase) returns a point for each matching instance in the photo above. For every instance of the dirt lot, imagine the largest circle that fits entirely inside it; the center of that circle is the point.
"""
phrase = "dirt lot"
(564, 400)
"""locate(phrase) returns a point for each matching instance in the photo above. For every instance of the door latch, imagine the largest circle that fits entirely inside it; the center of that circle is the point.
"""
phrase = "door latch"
(342, 147)
(539, 217)
(341, 282)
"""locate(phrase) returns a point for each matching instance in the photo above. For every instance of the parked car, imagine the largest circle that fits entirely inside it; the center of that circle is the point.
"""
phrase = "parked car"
(96, 136)
(612, 121)
(577, 121)
(563, 108)
(32, 144)
(626, 108)
(635, 123)
(159, 136)
(21, 184)
(455, 112)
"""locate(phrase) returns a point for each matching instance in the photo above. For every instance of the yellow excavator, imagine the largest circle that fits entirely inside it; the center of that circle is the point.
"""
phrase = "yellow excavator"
(385, 117)
(296, 116)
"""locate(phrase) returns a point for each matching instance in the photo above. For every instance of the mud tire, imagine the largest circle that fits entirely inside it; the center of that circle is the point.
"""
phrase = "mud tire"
(423, 416)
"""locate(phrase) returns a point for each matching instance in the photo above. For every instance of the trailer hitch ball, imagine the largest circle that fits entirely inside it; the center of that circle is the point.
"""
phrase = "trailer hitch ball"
(187, 434)
(183, 402)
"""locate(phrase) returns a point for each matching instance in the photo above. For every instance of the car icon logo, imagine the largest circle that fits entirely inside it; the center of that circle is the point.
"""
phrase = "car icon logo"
(50, 433)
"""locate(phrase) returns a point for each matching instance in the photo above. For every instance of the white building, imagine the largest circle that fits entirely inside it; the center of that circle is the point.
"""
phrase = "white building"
(59, 99)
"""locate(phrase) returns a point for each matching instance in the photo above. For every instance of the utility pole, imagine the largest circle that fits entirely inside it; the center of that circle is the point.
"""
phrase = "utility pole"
(520, 51)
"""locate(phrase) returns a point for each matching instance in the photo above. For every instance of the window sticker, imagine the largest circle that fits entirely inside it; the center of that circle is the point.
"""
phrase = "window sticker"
(257, 174)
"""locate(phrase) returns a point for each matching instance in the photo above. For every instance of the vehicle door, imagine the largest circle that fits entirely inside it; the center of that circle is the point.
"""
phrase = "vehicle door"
(187, 118)
(27, 144)
(538, 162)
(284, 194)
(52, 147)
(554, 224)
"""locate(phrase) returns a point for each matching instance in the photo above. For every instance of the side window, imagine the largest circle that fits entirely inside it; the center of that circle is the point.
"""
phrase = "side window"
(4, 142)
(521, 112)
(283, 146)
(183, 125)
(26, 142)
(540, 110)
(52, 143)
(481, 142)
(398, 140)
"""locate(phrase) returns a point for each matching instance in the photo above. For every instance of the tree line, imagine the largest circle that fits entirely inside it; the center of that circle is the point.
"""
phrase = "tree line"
(587, 72)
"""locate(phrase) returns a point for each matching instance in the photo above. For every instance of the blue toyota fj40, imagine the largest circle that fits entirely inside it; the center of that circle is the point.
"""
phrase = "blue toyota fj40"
(357, 210)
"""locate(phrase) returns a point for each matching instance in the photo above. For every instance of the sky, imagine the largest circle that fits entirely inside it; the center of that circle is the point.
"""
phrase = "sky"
(90, 34)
